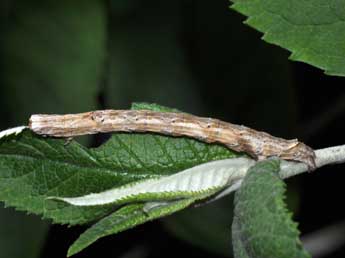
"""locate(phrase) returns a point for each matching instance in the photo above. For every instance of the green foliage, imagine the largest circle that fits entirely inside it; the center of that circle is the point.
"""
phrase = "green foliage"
(65, 47)
(313, 31)
(262, 226)
(125, 218)
(42, 167)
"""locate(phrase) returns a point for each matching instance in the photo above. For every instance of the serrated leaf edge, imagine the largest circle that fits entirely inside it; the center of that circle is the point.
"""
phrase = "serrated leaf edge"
(295, 54)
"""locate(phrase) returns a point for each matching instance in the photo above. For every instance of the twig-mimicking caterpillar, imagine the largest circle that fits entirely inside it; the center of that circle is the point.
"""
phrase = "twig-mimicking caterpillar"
(257, 144)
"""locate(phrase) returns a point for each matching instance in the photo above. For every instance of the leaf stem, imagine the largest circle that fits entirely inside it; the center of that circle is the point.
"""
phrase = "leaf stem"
(327, 156)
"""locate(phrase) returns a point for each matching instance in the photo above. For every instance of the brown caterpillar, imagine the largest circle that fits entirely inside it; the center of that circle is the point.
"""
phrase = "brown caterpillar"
(257, 144)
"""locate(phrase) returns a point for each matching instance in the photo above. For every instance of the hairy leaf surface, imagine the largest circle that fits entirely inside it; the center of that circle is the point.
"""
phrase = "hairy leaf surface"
(262, 226)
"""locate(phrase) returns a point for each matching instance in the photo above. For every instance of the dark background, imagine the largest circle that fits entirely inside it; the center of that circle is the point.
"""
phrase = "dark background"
(196, 56)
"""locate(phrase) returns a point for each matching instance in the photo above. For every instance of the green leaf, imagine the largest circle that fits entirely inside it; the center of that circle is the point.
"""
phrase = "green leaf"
(199, 180)
(313, 30)
(125, 218)
(262, 226)
(43, 167)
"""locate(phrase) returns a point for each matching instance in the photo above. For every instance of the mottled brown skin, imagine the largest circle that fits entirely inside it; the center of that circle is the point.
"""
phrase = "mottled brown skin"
(257, 144)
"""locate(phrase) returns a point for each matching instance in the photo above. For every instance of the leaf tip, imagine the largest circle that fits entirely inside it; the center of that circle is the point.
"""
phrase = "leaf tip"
(75, 248)
(12, 131)
(70, 252)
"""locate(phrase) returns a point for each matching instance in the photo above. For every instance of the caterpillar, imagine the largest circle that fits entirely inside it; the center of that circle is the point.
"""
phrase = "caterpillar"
(257, 144)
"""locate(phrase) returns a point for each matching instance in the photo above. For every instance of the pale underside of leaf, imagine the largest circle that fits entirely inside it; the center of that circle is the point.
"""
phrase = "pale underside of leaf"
(12, 131)
(211, 176)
